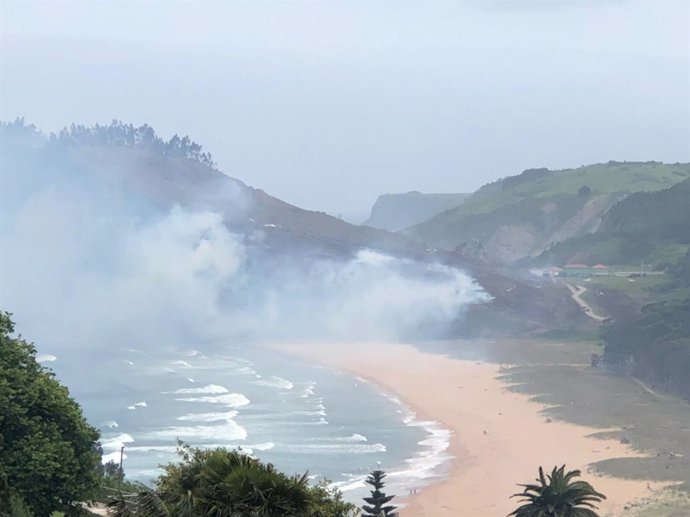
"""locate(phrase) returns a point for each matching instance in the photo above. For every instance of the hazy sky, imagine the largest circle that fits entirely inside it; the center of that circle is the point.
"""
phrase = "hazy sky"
(328, 104)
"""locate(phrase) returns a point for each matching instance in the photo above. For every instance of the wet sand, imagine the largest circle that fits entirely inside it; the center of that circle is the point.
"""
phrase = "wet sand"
(500, 436)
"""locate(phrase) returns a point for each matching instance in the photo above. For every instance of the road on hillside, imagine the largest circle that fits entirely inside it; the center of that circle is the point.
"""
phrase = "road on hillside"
(577, 292)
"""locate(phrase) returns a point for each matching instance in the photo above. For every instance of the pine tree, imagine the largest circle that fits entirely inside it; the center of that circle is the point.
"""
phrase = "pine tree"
(376, 504)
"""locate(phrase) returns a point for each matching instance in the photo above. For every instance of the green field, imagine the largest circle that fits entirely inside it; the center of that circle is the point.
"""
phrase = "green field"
(609, 178)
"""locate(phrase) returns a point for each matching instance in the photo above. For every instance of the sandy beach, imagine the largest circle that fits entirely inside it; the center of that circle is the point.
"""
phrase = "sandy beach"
(500, 437)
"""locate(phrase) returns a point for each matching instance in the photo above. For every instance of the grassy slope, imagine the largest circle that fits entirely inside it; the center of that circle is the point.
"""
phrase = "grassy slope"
(653, 228)
(494, 201)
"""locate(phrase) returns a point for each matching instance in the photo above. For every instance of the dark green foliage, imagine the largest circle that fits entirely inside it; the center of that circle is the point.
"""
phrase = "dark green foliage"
(126, 135)
(48, 453)
(222, 483)
(556, 495)
(377, 504)
(584, 191)
(653, 345)
(116, 134)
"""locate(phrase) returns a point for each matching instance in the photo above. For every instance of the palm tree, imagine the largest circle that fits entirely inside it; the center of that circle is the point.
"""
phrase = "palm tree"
(557, 496)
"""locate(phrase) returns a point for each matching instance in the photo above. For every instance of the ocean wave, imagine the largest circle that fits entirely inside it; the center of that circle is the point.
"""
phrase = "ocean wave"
(46, 358)
(317, 412)
(343, 439)
(110, 424)
(116, 442)
(210, 389)
(152, 448)
(234, 400)
(335, 448)
(208, 417)
(308, 391)
(353, 482)
(425, 463)
(229, 431)
(353, 438)
(249, 449)
(276, 382)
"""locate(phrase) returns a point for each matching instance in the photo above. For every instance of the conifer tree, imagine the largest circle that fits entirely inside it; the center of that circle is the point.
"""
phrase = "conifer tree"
(377, 504)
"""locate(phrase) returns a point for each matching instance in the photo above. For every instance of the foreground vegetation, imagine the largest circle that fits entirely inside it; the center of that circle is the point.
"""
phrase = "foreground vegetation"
(228, 483)
(557, 495)
(49, 458)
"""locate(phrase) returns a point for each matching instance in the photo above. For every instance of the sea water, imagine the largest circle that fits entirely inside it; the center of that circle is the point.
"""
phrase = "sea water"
(298, 416)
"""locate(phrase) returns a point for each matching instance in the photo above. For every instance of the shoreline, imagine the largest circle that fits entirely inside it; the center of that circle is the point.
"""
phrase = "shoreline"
(499, 437)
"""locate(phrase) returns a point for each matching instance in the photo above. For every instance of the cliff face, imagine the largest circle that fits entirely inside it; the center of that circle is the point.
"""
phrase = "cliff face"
(394, 212)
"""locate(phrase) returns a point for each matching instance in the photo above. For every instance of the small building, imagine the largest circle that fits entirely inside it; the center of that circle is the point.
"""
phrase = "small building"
(552, 271)
(600, 270)
(577, 270)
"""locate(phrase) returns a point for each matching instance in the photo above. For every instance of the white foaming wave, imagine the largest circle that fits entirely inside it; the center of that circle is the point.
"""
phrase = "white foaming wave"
(110, 424)
(152, 448)
(183, 364)
(276, 382)
(234, 400)
(245, 370)
(335, 448)
(317, 412)
(210, 389)
(308, 391)
(425, 464)
(249, 449)
(116, 442)
(46, 358)
(353, 482)
(352, 438)
(141, 404)
(229, 431)
(208, 417)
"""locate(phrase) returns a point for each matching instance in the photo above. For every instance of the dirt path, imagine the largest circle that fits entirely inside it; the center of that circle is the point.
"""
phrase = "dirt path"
(577, 292)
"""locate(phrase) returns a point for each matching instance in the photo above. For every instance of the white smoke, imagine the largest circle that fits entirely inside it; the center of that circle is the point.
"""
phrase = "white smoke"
(80, 267)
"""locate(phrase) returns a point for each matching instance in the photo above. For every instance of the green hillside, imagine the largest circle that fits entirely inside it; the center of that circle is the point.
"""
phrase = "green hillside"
(524, 215)
(648, 227)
